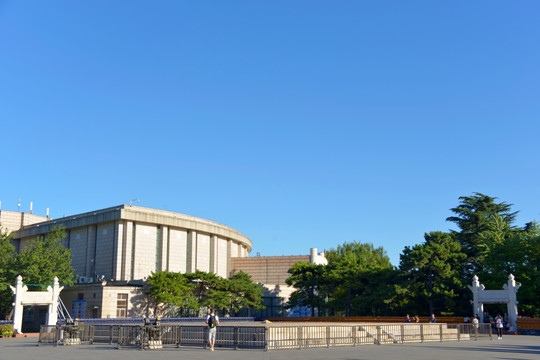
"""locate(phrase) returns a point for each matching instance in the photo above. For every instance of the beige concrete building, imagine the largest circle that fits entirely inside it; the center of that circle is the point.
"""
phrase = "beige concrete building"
(271, 272)
(115, 249)
(118, 247)
(127, 242)
(13, 221)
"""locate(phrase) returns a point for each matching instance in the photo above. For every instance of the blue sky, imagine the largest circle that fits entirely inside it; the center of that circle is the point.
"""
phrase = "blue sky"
(299, 123)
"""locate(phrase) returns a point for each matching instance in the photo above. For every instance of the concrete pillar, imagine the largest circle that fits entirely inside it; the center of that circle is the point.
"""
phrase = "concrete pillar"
(214, 255)
(118, 251)
(19, 291)
(229, 242)
(512, 289)
(164, 248)
(478, 308)
(52, 316)
(191, 252)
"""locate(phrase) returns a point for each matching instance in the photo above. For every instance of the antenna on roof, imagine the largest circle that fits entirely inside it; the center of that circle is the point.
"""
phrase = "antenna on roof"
(132, 200)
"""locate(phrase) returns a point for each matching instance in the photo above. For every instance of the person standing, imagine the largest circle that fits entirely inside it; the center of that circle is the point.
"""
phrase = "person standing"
(475, 323)
(432, 319)
(212, 321)
(499, 324)
(407, 319)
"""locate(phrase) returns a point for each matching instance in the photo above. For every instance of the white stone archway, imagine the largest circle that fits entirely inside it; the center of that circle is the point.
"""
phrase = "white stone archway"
(505, 296)
(24, 297)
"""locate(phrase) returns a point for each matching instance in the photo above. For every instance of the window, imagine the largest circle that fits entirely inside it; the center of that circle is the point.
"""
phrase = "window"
(121, 306)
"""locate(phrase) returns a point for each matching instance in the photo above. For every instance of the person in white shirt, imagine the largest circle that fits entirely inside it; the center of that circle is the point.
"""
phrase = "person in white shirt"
(212, 321)
(499, 324)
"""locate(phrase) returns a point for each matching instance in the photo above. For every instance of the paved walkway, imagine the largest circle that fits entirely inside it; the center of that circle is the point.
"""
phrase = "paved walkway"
(509, 348)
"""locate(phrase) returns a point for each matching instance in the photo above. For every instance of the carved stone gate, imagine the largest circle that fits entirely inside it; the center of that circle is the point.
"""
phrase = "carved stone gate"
(505, 296)
(24, 297)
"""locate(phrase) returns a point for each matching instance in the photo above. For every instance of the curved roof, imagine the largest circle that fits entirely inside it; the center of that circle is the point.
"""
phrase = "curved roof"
(137, 214)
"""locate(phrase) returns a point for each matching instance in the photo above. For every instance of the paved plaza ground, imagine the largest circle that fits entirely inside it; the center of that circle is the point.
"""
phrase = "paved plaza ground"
(509, 348)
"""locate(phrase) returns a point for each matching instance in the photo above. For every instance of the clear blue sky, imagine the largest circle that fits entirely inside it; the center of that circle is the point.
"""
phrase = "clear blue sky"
(299, 123)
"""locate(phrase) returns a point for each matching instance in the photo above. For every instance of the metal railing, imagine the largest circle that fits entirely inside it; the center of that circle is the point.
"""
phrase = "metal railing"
(473, 331)
(264, 336)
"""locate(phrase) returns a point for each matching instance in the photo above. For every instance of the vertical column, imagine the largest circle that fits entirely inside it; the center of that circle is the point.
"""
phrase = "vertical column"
(119, 251)
(126, 251)
(52, 315)
(229, 241)
(164, 248)
(478, 309)
(19, 291)
(213, 254)
(191, 261)
(130, 252)
(512, 289)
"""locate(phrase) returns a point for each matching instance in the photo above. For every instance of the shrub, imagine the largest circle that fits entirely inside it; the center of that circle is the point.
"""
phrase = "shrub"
(6, 330)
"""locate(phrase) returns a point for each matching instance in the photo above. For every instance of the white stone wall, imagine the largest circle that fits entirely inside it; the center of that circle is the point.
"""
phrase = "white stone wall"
(119, 254)
(12, 220)
(203, 252)
(234, 250)
(221, 256)
(177, 250)
(164, 247)
(136, 306)
(145, 250)
(127, 243)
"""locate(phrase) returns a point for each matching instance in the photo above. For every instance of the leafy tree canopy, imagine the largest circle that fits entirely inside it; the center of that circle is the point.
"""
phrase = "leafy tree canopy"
(43, 259)
(6, 253)
(201, 290)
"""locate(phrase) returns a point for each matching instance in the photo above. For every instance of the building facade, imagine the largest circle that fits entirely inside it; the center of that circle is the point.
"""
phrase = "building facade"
(115, 249)
(272, 272)
(126, 243)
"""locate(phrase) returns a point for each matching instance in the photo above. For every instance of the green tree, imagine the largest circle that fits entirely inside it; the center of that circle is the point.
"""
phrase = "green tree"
(201, 289)
(210, 290)
(166, 289)
(6, 278)
(308, 279)
(359, 279)
(244, 293)
(473, 216)
(43, 259)
(431, 273)
(513, 251)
